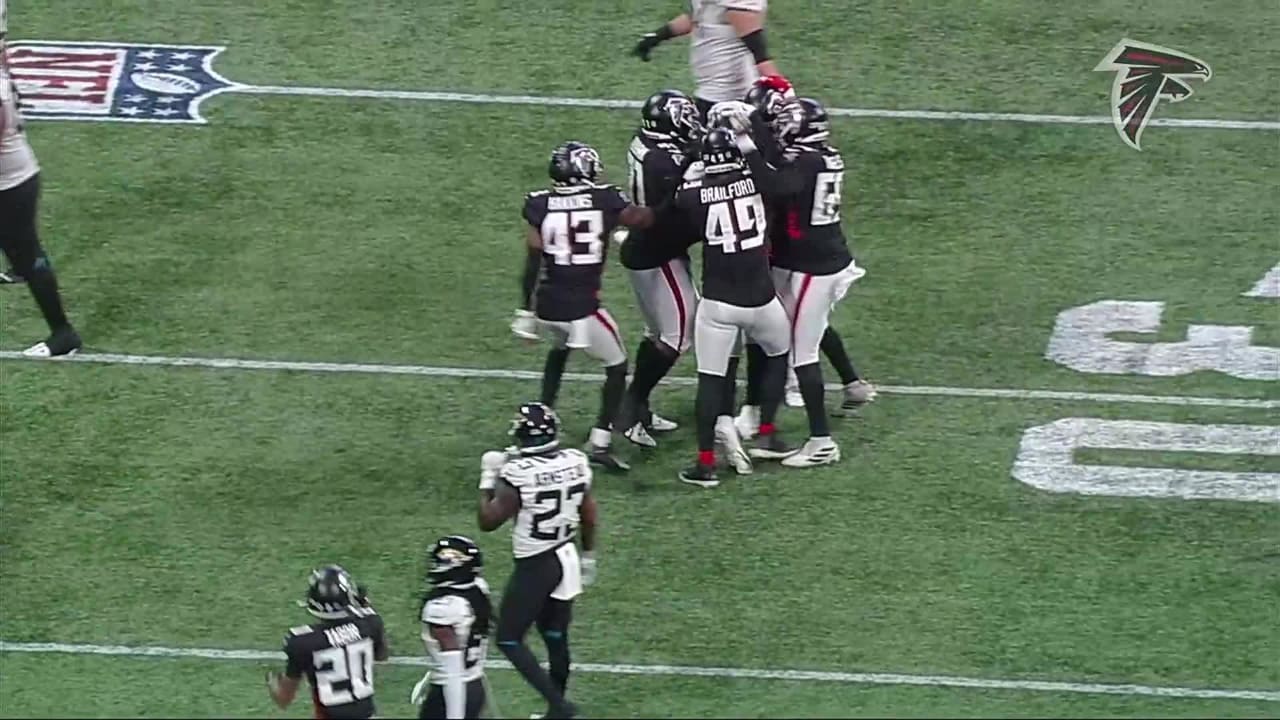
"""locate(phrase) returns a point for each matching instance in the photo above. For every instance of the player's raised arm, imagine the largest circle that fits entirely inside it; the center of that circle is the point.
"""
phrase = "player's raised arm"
(499, 501)
(682, 24)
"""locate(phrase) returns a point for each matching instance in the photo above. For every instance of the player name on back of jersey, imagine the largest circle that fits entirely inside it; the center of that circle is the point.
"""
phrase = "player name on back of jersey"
(343, 635)
(570, 202)
(719, 193)
(563, 475)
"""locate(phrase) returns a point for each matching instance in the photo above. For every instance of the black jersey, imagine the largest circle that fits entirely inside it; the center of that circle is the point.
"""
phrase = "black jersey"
(656, 168)
(337, 658)
(575, 223)
(805, 196)
(728, 213)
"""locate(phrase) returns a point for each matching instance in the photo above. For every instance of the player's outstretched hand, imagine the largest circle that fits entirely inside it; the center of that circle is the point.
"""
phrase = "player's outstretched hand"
(588, 568)
(525, 326)
(648, 42)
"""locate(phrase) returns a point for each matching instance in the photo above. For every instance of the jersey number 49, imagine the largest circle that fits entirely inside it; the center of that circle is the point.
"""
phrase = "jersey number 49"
(736, 226)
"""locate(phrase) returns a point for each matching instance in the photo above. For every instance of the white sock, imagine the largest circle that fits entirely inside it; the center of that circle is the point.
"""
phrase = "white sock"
(600, 437)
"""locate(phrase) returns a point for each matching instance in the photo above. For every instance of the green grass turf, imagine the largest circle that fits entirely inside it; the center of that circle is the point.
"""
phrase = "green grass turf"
(183, 507)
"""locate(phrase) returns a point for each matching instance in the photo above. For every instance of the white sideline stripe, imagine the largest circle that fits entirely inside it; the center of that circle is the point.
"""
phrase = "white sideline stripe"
(696, 671)
(503, 374)
(549, 101)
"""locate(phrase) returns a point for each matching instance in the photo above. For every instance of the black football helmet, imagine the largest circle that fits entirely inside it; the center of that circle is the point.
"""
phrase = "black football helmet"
(454, 560)
(573, 163)
(536, 428)
(671, 115)
(767, 95)
(720, 151)
(331, 593)
(804, 122)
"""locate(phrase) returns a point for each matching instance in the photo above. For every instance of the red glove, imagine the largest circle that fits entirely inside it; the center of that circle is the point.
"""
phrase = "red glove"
(778, 83)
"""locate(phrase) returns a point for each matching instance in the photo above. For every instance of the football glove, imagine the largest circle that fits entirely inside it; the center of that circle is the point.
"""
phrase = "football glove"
(525, 325)
(647, 43)
(588, 568)
(420, 690)
(490, 464)
(779, 83)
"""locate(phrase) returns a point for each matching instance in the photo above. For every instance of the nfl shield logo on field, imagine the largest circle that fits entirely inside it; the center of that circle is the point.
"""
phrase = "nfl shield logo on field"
(115, 81)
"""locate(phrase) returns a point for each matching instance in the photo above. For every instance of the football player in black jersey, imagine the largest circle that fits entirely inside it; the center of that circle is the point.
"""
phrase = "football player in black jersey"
(336, 653)
(568, 228)
(726, 208)
(657, 258)
(456, 618)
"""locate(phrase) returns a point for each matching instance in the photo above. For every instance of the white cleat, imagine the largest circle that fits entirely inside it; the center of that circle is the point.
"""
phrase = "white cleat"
(640, 436)
(728, 438)
(817, 451)
(748, 422)
(657, 423)
(793, 398)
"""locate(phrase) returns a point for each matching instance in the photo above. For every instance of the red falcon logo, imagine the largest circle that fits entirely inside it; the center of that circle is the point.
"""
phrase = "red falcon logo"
(1145, 75)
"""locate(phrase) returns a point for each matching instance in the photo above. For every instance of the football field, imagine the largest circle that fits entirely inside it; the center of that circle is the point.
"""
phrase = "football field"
(1066, 501)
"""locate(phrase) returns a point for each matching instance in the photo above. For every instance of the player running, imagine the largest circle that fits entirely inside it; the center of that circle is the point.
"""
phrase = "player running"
(456, 618)
(728, 50)
(568, 225)
(19, 195)
(727, 209)
(336, 653)
(657, 258)
(547, 490)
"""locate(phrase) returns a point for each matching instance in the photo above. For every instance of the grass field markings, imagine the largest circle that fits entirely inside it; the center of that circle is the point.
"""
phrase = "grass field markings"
(505, 374)
(853, 678)
(607, 104)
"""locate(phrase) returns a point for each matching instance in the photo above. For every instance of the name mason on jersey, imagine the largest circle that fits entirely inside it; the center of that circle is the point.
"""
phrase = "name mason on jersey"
(720, 193)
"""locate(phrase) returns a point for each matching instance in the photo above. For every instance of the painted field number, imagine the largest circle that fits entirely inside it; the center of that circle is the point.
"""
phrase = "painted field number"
(1046, 459)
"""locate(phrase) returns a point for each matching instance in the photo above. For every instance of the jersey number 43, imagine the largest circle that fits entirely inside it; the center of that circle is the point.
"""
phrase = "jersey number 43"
(573, 238)
(735, 226)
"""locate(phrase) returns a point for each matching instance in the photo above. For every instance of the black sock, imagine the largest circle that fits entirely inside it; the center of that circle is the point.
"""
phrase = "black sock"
(833, 347)
(730, 388)
(773, 383)
(615, 384)
(558, 658)
(552, 371)
(44, 288)
(810, 377)
(653, 362)
(755, 373)
(523, 660)
(710, 397)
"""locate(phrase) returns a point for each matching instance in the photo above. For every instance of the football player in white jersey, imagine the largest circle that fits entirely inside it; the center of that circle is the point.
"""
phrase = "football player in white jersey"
(456, 618)
(547, 490)
(19, 192)
(728, 50)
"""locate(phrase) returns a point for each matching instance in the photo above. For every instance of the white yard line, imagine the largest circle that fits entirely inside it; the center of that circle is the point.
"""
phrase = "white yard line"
(504, 374)
(857, 678)
(601, 103)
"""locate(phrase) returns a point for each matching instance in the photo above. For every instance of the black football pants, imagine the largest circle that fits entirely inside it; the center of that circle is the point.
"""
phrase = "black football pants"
(18, 226)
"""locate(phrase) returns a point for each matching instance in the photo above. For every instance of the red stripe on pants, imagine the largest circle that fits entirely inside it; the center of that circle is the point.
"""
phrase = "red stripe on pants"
(675, 292)
(607, 326)
(795, 317)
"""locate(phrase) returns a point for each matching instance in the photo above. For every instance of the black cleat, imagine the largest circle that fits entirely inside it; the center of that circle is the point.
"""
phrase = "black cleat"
(771, 447)
(605, 459)
(62, 343)
(11, 277)
(700, 475)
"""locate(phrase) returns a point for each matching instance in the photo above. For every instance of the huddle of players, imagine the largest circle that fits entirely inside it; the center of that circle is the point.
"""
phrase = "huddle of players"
(757, 185)
(546, 491)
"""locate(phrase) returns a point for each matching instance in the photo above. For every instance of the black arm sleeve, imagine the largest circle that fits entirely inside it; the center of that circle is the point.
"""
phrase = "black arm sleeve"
(755, 43)
(773, 182)
(529, 280)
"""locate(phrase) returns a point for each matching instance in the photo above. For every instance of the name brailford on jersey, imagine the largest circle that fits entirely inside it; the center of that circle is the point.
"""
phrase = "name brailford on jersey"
(719, 193)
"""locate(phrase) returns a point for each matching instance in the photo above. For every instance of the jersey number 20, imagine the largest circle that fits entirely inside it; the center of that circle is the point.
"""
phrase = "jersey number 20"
(741, 228)
(573, 238)
(352, 664)
(573, 494)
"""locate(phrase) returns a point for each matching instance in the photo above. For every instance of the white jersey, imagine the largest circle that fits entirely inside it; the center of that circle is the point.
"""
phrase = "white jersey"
(456, 608)
(552, 488)
(723, 67)
(17, 160)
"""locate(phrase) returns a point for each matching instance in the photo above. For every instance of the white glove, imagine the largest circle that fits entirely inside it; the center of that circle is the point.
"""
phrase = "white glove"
(524, 325)
(620, 235)
(588, 568)
(490, 463)
(734, 113)
(746, 144)
(420, 690)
